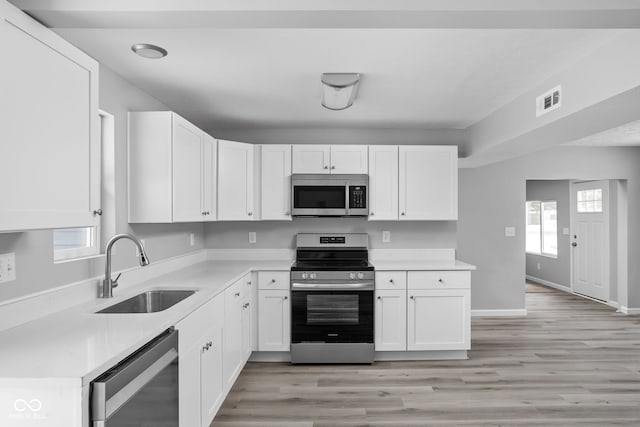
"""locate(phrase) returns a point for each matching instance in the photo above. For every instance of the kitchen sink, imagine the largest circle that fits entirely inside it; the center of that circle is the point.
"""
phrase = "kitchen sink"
(149, 302)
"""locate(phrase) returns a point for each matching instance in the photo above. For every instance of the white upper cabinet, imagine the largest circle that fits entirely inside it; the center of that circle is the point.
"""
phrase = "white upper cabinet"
(383, 182)
(275, 182)
(50, 148)
(311, 158)
(349, 159)
(330, 159)
(428, 182)
(235, 181)
(210, 177)
(171, 169)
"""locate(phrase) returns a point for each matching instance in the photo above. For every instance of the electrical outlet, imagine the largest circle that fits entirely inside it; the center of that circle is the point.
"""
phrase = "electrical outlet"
(509, 231)
(386, 236)
(252, 237)
(538, 266)
(192, 239)
(7, 267)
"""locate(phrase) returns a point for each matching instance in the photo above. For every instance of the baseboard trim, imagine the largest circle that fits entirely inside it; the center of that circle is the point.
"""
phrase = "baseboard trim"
(500, 313)
(549, 284)
(629, 311)
(285, 356)
(30, 307)
(568, 290)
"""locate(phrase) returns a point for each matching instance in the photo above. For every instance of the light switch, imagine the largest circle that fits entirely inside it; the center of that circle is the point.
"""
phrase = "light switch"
(7, 267)
(509, 231)
(252, 237)
(192, 239)
(386, 236)
(565, 231)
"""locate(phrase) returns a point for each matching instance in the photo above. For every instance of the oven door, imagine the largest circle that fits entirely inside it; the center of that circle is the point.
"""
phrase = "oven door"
(332, 316)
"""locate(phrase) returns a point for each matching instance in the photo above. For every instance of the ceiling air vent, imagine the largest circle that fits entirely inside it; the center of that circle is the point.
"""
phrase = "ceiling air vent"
(548, 101)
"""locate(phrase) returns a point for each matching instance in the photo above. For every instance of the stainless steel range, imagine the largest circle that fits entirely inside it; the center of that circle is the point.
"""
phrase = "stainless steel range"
(332, 287)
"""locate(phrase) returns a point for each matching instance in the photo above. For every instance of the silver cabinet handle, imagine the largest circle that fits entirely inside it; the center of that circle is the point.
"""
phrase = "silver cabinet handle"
(574, 244)
(333, 167)
(249, 283)
(286, 297)
(402, 213)
(411, 297)
(273, 280)
(287, 213)
(250, 213)
(390, 280)
(371, 214)
(379, 297)
(237, 294)
(97, 212)
(326, 167)
(440, 280)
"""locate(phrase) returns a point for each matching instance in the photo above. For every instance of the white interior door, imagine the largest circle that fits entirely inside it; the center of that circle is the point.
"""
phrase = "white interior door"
(590, 238)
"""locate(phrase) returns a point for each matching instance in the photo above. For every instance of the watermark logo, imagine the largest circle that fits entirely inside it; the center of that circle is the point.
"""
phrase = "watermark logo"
(33, 405)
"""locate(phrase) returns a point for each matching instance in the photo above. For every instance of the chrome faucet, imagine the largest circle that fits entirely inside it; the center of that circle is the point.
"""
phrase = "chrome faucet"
(108, 284)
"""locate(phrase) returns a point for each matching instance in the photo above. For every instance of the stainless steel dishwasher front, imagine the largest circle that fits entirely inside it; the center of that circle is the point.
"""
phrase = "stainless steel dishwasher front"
(142, 390)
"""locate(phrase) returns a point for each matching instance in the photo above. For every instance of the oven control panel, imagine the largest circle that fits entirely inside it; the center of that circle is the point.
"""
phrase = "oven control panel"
(328, 240)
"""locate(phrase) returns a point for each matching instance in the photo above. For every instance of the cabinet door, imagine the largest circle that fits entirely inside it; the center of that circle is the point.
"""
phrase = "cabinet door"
(50, 155)
(438, 319)
(310, 158)
(349, 159)
(209, 178)
(246, 329)
(428, 182)
(232, 334)
(211, 388)
(276, 182)
(235, 181)
(187, 171)
(383, 182)
(391, 320)
(274, 312)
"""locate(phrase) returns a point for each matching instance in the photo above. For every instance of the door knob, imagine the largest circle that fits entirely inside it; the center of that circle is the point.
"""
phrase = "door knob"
(574, 244)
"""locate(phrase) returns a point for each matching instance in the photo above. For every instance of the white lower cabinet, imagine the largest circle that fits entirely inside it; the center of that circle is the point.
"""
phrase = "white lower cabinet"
(274, 311)
(391, 320)
(237, 330)
(433, 312)
(200, 370)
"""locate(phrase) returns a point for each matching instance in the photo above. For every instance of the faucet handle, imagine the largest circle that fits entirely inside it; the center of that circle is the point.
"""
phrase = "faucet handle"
(114, 282)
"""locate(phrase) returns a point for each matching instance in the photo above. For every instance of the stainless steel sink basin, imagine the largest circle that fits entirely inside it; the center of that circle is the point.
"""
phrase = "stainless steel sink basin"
(149, 302)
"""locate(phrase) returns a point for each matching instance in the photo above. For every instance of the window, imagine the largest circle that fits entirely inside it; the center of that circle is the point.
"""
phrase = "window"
(72, 243)
(542, 228)
(590, 201)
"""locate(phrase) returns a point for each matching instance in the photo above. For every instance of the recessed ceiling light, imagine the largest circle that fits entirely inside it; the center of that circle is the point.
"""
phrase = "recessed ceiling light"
(149, 50)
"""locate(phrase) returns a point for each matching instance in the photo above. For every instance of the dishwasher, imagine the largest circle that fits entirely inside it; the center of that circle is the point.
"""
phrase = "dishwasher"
(142, 390)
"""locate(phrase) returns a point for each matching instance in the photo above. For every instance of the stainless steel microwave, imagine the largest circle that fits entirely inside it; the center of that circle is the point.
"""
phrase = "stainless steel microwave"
(329, 195)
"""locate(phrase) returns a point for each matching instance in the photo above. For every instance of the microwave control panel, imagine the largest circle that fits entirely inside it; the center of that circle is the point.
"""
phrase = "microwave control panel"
(357, 197)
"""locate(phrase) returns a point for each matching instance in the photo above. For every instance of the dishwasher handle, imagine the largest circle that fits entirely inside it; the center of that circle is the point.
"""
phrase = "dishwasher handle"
(114, 388)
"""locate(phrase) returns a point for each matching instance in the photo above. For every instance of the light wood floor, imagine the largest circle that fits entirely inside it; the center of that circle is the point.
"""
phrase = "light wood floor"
(571, 361)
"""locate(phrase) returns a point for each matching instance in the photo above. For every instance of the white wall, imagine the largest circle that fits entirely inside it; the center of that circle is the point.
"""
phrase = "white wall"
(34, 250)
(555, 270)
(493, 196)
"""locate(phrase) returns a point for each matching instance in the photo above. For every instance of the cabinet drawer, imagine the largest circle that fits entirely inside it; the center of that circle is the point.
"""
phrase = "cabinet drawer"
(391, 280)
(274, 280)
(200, 322)
(439, 280)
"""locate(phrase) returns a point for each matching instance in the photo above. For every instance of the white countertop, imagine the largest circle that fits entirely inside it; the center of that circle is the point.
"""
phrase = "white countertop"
(78, 343)
(425, 264)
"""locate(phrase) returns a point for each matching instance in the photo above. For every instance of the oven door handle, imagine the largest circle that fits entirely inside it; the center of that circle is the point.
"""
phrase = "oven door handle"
(363, 286)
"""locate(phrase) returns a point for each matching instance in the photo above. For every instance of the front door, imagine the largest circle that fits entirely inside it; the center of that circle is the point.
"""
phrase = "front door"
(590, 238)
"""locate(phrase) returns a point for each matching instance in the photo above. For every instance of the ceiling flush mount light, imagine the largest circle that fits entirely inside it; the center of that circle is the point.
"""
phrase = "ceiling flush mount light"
(339, 90)
(149, 51)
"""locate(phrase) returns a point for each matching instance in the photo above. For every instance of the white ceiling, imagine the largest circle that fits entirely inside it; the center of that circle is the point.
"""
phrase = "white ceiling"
(627, 135)
(426, 78)
(425, 64)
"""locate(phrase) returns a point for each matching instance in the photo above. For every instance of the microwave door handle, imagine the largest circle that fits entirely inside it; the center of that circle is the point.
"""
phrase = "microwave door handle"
(346, 197)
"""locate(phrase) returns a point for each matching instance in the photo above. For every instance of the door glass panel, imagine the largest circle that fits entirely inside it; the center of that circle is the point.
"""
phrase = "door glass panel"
(332, 309)
(319, 197)
(589, 201)
(532, 240)
(550, 228)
